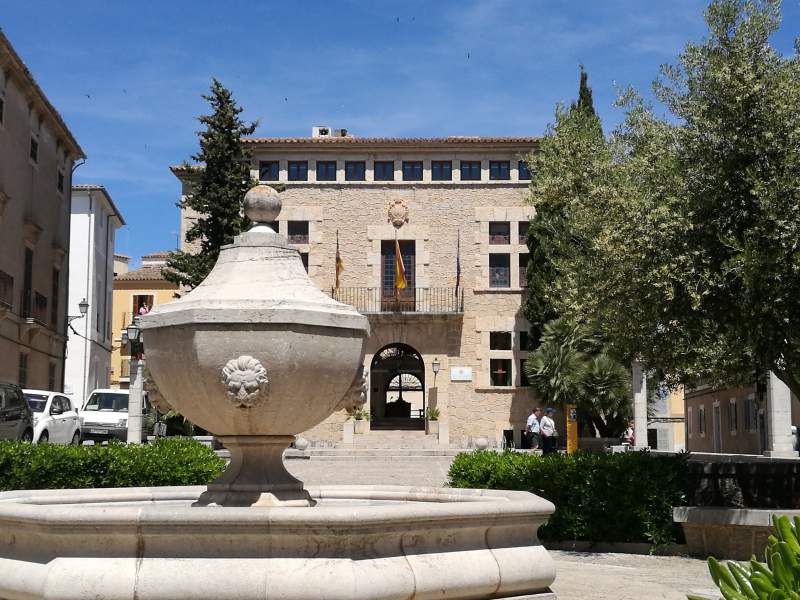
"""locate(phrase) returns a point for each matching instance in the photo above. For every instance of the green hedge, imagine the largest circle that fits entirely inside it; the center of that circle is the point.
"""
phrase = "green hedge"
(26, 466)
(626, 497)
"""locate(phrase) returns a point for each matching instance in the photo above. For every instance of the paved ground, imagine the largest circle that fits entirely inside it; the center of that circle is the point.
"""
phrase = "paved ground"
(581, 575)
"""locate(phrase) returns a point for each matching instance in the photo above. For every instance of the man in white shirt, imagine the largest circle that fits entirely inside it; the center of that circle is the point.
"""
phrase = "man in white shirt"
(532, 428)
(547, 427)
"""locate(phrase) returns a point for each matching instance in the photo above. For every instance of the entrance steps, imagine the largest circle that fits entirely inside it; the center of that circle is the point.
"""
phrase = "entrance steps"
(394, 439)
(381, 445)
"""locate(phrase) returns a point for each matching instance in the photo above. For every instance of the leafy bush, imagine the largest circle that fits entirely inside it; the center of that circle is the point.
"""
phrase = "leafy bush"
(779, 579)
(26, 466)
(626, 497)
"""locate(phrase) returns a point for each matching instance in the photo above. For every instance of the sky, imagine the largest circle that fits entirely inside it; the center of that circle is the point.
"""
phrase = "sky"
(128, 76)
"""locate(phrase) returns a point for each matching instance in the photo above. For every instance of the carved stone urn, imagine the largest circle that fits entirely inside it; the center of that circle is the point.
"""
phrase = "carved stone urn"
(255, 355)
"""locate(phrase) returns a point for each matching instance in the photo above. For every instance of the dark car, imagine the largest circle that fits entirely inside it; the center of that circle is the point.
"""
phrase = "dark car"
(16, 420)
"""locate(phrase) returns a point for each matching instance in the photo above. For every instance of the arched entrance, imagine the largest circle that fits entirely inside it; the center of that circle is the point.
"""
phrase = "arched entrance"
(397, 388)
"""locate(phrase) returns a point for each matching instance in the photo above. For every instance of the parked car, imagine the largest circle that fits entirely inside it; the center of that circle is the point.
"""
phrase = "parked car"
(104, 415)
(16, 420)
(55, 418)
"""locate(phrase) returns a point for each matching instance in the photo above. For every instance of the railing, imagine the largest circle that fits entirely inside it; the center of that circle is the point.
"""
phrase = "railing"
(523, 276)
(6, 289)
(499, 277)
(387, 300)
(499, 238)
(297, 238)
(34, 306)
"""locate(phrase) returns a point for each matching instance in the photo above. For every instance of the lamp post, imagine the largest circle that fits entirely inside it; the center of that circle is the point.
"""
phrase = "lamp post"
(132, 335)
(83, 308)
(435, 366)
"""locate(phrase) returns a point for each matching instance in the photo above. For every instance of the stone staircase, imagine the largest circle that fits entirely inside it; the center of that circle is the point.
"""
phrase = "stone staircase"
(381, 445)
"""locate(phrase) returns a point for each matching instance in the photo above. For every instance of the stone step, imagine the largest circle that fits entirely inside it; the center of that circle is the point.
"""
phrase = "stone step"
(366, 453)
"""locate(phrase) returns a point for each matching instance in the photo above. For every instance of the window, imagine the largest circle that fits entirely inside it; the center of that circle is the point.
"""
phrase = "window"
(34, 151)
(524, 341)
(750, 415)
(733, 418)
(298, 170)
(470, 170)
(523, 378)
(268, 170)
(412, 170)
(355, 170)
(500, 340)
(499, 271)
(22, 370)
(326, 170)
(298, 232)
(689, 421)
(522, 167)
(384, 170)
(6, 289)
(499, 169)
(441, 170)
(2, 109)
(142, 304)
(499, 232)
(701, 420)
(522, 231)
(56, 277)
(500, 371)
(27, 284)
(51, 377)
(60, 182)
(523, 270)
(304, 260)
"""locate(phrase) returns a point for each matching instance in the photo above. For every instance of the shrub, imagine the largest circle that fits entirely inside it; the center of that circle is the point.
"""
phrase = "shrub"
(779, 579)
(625, 497)
(26, 466)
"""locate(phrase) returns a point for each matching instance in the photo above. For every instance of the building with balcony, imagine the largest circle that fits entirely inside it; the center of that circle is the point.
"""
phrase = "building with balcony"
(95, 220)
(455, 337)
(135, 292)
(37, 155)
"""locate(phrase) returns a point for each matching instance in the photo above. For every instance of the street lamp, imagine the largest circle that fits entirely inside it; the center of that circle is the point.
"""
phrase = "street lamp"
(435, 366)
(132, 335)
(83, 307)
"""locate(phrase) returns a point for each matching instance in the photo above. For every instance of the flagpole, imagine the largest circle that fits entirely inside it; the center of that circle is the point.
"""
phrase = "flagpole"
(396, 289)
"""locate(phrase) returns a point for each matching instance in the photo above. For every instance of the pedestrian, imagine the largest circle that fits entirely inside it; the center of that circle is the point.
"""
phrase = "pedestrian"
(532, 428)
(547, 428)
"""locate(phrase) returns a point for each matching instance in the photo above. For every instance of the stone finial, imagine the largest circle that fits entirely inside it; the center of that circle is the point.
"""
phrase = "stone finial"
(262, 204)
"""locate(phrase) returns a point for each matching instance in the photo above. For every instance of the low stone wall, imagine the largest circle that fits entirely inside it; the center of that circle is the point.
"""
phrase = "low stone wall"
(727, 533)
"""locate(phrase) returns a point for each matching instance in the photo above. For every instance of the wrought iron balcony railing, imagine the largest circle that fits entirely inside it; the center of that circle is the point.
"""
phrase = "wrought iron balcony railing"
(499, 277)
(34, 306)
(6, 289)
(410, 300)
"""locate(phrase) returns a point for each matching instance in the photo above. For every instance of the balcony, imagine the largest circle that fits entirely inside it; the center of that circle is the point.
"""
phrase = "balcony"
(297, 238)
(34, 307)
(6, 293)
(431, 301)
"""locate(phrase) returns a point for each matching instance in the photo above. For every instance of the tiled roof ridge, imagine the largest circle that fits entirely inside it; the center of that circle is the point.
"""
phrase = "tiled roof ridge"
(143, 273)
(453, 139)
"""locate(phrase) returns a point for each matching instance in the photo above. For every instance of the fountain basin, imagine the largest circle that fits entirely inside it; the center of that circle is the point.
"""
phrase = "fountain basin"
(358, 542)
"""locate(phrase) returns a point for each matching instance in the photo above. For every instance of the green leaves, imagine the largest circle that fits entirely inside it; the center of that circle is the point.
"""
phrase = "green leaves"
(779, 579)
(173, 461)
(625, 497)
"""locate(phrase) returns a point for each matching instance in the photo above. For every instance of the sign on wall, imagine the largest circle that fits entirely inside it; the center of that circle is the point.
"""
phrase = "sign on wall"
(460, 373)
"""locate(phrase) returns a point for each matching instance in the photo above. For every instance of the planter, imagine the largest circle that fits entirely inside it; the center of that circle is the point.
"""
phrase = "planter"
(432, 427)
(727, 533)
(361, 426)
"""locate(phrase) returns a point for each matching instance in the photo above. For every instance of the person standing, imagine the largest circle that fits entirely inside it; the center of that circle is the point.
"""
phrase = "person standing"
(547, 428)
(532, 428)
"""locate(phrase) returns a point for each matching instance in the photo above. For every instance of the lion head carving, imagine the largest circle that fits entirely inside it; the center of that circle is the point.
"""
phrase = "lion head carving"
(246, 380)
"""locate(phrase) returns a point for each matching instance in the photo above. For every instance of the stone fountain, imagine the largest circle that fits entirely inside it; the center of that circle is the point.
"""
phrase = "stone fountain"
(256, 354)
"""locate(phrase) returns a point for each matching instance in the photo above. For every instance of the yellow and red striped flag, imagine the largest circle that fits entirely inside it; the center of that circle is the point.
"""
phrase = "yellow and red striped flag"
(339, 262)
(399, 269)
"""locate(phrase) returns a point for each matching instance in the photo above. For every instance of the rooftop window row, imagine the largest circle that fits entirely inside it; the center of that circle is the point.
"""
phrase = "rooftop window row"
(386, 170)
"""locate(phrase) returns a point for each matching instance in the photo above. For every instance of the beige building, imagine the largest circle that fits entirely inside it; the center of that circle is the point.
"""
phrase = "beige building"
(142, 287)
(37, 154)
(456, 344)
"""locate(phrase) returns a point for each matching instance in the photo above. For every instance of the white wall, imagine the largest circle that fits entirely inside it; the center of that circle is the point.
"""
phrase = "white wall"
(93, 228)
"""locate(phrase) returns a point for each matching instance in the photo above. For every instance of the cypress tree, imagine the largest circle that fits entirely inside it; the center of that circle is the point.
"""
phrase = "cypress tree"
(224, 177)
(584, 101)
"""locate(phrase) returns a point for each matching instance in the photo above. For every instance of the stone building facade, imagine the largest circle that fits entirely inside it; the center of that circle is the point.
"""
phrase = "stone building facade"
(37, 154)
(450, 342)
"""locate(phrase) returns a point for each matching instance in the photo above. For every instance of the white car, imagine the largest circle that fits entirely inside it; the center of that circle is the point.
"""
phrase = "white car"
(55, 418)
(105, 415)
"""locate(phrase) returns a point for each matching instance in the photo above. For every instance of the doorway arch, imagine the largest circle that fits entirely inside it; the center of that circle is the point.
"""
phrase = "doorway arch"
(397, 388)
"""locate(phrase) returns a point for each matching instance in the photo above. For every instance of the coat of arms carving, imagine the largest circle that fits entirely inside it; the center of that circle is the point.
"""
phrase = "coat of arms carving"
(398, 212)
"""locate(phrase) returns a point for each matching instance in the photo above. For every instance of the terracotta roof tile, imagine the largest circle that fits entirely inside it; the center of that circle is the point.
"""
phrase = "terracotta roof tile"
(146, 273)
(394, 141)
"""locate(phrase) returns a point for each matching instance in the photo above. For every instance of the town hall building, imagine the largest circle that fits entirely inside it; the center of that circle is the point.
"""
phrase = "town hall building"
(453, 341)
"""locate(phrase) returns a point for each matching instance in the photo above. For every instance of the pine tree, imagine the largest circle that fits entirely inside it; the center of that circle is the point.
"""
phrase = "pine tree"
(224, 177)
(584, 101)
